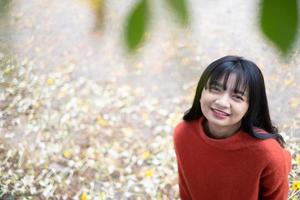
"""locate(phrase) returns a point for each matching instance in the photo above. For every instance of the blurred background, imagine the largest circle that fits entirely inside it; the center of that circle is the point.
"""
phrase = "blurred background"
(83, 117)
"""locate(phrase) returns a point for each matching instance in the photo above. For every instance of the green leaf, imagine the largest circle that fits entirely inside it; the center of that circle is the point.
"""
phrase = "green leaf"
(279, 22)
(4, 6)
(181, 10)
(136, 25)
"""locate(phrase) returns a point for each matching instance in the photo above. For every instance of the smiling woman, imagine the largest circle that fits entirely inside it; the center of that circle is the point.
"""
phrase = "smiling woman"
(223, 106)
(227, 147)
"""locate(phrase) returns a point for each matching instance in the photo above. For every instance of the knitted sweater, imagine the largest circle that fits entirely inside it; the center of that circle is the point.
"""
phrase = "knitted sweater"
(239, 167)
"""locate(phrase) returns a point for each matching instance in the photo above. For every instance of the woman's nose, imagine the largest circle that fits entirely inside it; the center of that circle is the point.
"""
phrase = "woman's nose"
(223, 101)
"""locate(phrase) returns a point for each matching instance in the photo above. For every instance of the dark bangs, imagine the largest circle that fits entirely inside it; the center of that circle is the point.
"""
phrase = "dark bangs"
(224, 70)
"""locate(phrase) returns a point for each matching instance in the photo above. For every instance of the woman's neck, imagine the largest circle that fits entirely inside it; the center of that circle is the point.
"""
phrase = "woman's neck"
(220, 132)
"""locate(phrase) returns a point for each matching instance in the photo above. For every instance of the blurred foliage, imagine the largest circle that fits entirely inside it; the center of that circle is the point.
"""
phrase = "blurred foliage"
(180, 9)
(4, 5)
(137, 23)
(279, 22)
(98, 7)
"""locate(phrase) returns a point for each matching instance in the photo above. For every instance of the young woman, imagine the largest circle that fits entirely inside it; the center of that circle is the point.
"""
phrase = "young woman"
(226, 146)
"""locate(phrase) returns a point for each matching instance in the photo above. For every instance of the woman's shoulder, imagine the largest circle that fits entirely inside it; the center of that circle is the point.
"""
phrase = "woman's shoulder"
(181, 129)
(270, 148)
(273, 153)
(269, 145)
(181, 125)
(276, 157)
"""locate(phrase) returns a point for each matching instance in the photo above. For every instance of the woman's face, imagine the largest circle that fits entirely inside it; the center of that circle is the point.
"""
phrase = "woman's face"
(224, 109)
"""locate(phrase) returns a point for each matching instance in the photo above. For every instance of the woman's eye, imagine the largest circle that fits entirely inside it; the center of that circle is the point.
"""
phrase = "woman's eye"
(214, 89)
(240, 98)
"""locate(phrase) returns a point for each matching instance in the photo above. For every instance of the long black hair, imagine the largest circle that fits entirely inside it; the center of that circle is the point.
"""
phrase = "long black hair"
(249, 76)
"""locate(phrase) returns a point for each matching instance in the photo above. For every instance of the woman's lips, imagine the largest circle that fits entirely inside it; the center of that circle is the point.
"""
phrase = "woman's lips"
(219, 113)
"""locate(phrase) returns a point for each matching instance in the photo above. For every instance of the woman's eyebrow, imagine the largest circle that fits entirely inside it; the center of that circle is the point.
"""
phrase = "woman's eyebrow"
(236, 91)
(215, 83)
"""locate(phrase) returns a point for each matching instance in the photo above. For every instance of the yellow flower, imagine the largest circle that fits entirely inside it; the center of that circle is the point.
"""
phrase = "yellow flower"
(288, 82)
(102, 195)
(96, 4)
(102, 122)
(7, 71)
(50, 81)
(149, 173)
(294, 102)
(296, 185)
(83, 196)
(67, 154)
(146, 155)
(39, 103)
(298, 159)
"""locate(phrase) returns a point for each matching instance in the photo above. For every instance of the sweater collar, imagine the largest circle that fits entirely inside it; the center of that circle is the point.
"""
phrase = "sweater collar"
(237, 141)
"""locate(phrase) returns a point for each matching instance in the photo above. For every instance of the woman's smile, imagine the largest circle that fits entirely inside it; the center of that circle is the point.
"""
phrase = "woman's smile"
(223, 108)
(219, 113)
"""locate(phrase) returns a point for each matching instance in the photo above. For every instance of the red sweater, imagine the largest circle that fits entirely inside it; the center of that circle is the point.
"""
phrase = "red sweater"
(239, 167)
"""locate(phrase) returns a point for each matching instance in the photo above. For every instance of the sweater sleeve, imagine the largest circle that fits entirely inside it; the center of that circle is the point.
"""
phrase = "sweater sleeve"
(183, 187)
(274, 179)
